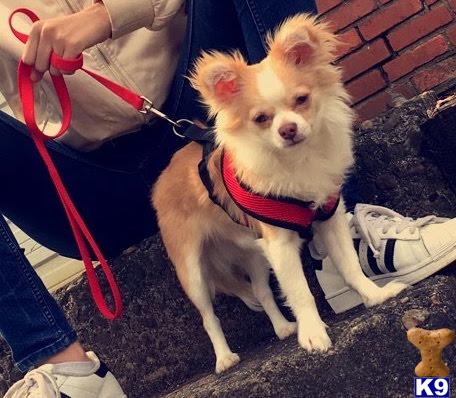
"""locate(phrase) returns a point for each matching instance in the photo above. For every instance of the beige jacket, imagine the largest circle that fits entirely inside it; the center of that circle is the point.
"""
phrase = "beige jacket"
(142, 55)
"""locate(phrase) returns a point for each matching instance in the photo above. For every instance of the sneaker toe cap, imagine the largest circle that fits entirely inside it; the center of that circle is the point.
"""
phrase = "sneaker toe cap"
(439, 238)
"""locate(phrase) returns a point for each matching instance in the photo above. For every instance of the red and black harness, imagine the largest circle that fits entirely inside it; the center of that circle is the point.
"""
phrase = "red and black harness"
(280, 211)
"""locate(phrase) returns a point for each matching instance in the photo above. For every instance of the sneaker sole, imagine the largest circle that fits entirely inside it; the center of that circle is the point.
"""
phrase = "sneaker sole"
(347, 298)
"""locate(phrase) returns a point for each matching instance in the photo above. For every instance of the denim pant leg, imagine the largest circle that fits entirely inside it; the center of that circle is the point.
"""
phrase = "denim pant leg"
(258, 17)
(31, 321)
(226, 25)
(108, 189)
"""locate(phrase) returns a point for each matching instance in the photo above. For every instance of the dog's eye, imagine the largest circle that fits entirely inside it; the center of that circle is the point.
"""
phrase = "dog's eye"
(302, 99)
(261, 118)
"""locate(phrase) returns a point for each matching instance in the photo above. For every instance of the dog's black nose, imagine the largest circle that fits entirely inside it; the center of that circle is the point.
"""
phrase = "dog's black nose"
(288, 131)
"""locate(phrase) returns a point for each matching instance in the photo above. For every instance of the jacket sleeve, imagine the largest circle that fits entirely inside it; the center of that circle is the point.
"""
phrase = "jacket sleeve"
(128, 16)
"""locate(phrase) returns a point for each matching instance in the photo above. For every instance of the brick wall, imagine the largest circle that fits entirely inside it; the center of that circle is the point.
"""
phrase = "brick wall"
(393, 48)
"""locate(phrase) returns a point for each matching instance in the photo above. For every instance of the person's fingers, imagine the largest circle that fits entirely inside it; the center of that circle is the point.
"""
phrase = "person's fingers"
(36, 76)
(43, 55)
(59, 50)
(70, 53)
(31, 47)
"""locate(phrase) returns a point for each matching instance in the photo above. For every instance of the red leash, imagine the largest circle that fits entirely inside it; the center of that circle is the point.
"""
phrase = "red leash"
(80, 230)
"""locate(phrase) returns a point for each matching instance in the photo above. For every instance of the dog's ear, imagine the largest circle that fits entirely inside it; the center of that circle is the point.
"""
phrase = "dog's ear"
(301, 40)
(219, 78)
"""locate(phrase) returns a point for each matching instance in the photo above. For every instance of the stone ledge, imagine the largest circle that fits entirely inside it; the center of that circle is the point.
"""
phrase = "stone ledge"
(370, 357)
(394, 166)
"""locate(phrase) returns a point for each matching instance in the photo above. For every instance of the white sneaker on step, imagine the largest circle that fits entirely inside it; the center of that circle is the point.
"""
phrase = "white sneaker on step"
(390, 247)
(61, 381)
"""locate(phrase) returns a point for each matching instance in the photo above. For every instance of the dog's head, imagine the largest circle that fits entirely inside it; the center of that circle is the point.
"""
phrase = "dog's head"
(278, 102)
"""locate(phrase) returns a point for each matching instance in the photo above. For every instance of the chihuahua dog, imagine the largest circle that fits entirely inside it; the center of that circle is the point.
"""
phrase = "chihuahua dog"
(287, 127)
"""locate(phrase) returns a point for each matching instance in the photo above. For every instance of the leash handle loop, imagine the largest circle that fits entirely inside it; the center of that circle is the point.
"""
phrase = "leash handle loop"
(81, 232)
(66, 65)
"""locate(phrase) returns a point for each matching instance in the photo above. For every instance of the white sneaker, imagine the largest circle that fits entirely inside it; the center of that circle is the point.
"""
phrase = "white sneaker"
(390, 247)
(61, 381)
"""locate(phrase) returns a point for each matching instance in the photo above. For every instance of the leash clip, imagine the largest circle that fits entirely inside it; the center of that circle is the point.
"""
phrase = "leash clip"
(148, 107)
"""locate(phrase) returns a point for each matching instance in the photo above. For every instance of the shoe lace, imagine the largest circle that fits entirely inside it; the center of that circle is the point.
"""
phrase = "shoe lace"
(369, 219)
(36, 384)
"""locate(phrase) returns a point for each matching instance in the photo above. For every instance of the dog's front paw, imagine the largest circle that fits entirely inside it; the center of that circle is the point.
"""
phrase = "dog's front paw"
(384, 293)
(312, 336)
(226, 361)
(285, 329)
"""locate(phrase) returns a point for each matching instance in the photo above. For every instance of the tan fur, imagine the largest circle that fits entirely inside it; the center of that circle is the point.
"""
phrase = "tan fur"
(299, 26)
(185, 211)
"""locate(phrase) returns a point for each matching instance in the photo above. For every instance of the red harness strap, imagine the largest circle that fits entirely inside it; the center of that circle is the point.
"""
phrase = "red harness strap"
(282, 212)
(80, 230)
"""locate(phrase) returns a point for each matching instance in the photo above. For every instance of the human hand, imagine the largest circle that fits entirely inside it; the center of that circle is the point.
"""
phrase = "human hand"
(67, 36)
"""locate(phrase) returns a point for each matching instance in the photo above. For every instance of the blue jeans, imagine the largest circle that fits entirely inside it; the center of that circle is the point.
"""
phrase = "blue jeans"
(111, 185)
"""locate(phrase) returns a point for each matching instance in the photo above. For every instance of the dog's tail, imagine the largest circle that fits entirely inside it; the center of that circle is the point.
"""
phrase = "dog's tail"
(227, 276)
(233, 282)
(252, 303)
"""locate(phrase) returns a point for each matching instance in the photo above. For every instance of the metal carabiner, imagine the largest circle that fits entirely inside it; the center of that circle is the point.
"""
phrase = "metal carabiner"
(180, 124)
(148, 107)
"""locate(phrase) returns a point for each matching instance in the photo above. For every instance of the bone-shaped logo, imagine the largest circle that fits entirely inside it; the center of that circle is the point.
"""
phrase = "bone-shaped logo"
(431, 344)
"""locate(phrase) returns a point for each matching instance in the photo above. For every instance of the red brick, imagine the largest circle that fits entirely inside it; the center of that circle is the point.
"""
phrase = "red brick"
(416, 57)
(366, 85)
(452, 4)
(326, 5)
(365, 58)
(436, 74)
(406, 90)
(373, 106)
(384, 1)
(388, 17)
(419, 27)
(349, 41)
(452, 34)
(349, 12)
(430, 2)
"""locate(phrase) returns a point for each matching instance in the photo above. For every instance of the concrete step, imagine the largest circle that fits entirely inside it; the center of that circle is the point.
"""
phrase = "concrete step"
(371, 356)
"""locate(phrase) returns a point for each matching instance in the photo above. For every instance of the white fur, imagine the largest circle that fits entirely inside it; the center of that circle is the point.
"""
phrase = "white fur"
(200, 295)
(337, 239)
(273, 92)
(284, 117)
(270, 86)
(284, 255)
(219, 72)
(259, 274)
(324, 157)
